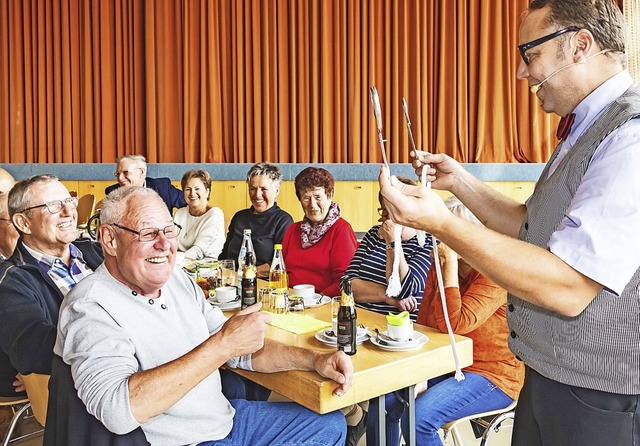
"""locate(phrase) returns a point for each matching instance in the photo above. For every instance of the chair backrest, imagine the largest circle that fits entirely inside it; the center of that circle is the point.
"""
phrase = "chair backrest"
(85, 208)
(37, 387)
(69, 423)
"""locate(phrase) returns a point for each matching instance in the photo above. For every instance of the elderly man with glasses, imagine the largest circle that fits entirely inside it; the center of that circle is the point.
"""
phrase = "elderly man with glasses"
(46, 264)
(145, 346)
(131, 170)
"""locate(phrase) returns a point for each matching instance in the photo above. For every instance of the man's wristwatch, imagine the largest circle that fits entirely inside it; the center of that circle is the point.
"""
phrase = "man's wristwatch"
(391, 245)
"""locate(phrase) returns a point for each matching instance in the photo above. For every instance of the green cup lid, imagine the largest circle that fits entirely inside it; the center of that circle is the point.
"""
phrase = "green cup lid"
(399, 319)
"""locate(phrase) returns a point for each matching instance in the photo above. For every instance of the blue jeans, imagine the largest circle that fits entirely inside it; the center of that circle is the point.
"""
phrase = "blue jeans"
(445, 400)
(263, 423)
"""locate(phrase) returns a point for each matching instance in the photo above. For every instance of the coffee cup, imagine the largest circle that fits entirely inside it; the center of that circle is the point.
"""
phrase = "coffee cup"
(399, 326)
(226, 294)
(400, 332)
(305, 291)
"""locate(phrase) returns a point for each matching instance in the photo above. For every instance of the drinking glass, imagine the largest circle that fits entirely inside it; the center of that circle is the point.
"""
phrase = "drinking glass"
(279, 301)
(229, 272)
(208, 277)
(264, 294)
(295, 304)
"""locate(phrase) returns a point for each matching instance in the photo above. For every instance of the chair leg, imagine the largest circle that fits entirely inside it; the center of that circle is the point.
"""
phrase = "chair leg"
(14, 422)
(495, 426)
(457, 437)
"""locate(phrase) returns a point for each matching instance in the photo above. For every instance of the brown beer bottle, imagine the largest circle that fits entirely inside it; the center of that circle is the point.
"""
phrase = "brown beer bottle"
(347, 323)
(248, 278)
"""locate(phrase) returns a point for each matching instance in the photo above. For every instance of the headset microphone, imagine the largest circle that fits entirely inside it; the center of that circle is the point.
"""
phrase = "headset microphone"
(535, 88)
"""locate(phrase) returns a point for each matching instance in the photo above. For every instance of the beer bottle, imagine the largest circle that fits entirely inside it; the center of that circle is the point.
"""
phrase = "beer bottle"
(347, 324)
(249, 280)
(278, 272)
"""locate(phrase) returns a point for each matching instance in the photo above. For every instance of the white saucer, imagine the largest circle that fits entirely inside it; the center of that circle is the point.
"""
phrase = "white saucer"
(313, 302)
(226, 306)
(417, 339)
(322, 336)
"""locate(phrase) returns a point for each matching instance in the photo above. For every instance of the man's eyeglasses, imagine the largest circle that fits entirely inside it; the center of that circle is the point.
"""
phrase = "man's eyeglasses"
(55, 206)
(150, 234)
(126, 173)
(527, 46)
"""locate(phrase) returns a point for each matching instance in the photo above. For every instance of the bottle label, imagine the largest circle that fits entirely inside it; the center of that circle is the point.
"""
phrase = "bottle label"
(249, 291)
(346, 336)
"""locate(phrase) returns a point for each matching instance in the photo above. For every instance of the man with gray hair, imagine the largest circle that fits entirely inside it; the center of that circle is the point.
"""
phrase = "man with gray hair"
(162, 374)
(131, 170)
(46, 264)
(267, 221)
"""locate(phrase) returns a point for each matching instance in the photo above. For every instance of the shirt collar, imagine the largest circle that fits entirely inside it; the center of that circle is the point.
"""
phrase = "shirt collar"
(48, 259)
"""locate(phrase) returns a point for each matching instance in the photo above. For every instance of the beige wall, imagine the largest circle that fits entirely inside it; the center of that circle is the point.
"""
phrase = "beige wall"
(358, 200)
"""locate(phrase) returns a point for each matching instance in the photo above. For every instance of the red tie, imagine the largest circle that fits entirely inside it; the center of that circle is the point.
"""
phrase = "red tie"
(564, 127)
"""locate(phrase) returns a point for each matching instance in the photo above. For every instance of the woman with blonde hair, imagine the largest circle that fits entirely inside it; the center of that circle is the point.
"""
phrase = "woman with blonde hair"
(202, 233)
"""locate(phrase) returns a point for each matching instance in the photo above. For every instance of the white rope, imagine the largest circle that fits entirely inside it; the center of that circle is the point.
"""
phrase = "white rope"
(420, 234)
(395, 285)
(459, 376)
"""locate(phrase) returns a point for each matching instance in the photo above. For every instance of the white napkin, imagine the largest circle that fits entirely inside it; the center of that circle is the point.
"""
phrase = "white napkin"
(395, 286)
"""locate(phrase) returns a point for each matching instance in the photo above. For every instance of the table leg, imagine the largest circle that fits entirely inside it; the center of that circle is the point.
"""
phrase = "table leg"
(382, 425)
(410, 437)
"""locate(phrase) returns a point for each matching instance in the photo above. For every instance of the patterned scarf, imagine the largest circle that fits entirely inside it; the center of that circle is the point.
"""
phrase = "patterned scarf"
(311, 235)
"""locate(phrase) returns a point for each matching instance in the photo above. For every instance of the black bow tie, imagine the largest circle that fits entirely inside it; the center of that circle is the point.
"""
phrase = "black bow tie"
(564, 127)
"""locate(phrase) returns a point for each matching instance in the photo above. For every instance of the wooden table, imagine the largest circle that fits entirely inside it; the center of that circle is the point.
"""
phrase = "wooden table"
(376, 372)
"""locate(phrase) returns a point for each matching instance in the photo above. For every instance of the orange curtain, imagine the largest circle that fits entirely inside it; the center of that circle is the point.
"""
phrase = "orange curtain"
(216, 81)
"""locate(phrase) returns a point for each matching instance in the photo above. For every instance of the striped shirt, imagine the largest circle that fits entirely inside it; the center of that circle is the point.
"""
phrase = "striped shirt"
(62, 276)
(370, 260)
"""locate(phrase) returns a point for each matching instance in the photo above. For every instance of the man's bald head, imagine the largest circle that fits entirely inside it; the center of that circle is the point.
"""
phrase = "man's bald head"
(6, 181)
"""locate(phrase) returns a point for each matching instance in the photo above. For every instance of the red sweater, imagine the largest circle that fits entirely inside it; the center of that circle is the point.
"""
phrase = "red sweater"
(324, 263)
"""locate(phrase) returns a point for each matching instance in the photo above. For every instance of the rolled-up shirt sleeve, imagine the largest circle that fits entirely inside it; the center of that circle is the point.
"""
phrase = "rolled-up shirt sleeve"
(599, 235)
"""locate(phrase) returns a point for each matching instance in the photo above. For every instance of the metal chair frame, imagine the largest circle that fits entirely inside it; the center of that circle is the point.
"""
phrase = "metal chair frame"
(21, 409)
(499, 416)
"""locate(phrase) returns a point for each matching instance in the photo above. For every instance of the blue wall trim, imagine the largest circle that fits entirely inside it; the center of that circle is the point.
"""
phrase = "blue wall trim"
(341, 172)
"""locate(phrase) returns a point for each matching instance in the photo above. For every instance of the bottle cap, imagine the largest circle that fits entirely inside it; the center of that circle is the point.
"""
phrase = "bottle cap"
(277, 246)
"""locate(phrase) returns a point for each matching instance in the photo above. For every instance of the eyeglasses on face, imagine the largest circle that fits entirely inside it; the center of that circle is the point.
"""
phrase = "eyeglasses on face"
(150, 234)
(55, 206)
(527, 46)
(126, 173)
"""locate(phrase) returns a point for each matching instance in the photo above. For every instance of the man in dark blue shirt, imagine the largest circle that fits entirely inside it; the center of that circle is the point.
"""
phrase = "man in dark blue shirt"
(132, 171)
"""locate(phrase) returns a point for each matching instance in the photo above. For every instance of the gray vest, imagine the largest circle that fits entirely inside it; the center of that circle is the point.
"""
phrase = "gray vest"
(600, 348)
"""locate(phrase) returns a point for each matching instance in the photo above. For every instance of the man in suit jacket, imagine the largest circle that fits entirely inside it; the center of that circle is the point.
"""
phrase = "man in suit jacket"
(132, 171)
